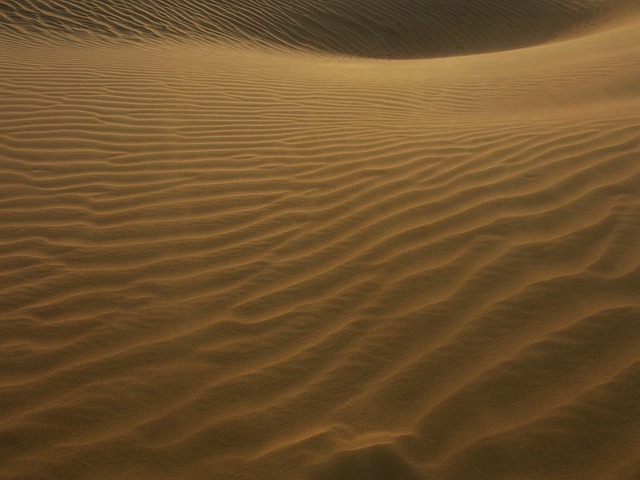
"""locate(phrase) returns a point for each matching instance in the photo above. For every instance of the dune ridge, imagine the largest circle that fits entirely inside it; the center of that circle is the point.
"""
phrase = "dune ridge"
(220, 261)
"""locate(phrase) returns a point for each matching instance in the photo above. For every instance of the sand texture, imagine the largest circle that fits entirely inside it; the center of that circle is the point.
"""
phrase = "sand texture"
(320, 240)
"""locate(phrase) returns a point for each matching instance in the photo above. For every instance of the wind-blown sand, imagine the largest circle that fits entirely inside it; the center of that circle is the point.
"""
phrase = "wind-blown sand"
(320, 240)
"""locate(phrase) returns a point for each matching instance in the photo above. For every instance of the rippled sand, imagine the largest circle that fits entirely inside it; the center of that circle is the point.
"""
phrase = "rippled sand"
(304, 239)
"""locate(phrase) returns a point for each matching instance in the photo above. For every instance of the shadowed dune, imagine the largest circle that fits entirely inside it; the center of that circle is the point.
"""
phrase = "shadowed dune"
(365, 28)
(225, 261)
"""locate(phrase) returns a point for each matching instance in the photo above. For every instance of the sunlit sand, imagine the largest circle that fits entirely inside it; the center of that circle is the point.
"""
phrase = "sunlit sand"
(322, 240)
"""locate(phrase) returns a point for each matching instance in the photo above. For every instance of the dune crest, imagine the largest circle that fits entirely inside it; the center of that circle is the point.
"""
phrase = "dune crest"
(225, 261)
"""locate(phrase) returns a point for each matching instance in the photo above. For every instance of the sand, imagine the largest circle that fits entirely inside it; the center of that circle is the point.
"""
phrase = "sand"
(320, 240)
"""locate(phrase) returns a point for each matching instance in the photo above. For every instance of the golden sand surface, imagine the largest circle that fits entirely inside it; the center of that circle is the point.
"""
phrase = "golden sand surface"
(320, 240)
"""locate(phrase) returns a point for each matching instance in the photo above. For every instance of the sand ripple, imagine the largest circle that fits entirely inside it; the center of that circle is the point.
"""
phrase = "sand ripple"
(221, 262)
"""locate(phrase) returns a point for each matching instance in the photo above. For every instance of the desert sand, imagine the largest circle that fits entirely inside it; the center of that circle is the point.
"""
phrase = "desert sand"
(305, 239)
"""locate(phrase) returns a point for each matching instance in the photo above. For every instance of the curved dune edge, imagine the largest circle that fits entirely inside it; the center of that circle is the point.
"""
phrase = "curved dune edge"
(221, 262)
(359, 28)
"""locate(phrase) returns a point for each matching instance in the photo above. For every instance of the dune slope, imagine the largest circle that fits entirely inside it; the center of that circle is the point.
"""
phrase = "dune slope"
(237, 243)
(378, 28)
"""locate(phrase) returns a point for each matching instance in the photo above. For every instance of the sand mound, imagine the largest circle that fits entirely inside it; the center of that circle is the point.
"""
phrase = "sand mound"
(365, 28)
(219, 261)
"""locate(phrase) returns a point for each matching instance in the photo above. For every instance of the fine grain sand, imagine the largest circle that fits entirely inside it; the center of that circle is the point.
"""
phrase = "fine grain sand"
(320, 239)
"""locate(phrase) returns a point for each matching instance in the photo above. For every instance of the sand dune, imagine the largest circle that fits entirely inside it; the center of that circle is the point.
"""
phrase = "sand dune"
(380, 28)
(280, 240)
